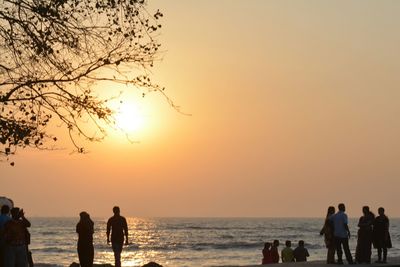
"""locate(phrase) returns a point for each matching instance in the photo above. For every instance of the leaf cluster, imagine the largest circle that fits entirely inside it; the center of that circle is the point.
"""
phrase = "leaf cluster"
(53, 55)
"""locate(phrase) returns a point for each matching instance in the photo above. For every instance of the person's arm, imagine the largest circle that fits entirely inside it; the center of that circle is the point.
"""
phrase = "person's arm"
(108, 231)
(25, 220)
(126, 232)
(347, 229)
(346, 225)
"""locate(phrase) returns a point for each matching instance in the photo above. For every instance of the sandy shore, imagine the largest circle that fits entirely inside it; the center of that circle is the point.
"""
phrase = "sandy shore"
(392, 262)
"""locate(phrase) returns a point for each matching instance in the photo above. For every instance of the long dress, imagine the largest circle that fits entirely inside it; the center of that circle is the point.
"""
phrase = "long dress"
(381, 236)
(85, 243)
(327, 231)
(364, 240)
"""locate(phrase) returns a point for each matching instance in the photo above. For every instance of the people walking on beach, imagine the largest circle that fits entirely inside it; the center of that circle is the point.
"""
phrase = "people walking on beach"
(267, 256)
(381, 236)
(119, 228)
(85, 230)
(364, 240)
(4, 217)
(300, 253)
(274, 251)
(287, 252)
(341, 234)
(16, 241)
(327, 231)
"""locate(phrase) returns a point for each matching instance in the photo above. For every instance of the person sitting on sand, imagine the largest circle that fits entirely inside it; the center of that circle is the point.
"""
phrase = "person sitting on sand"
(300, 253)
(287, 252)
(274, 251)
(267, 256)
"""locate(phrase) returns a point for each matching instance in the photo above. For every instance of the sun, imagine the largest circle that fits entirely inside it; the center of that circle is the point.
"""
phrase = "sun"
(129, 117)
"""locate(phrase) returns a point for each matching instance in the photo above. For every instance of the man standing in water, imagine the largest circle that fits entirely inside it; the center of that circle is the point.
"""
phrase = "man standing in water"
(341, 234)
(119, 228)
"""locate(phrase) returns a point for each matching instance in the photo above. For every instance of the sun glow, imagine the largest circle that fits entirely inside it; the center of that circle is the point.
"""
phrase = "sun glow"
(129, 117)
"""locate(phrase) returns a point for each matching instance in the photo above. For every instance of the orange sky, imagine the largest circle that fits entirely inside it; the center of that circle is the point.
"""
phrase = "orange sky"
(294, 108)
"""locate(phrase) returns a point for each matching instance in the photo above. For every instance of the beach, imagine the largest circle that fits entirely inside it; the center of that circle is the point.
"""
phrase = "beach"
(392, 262)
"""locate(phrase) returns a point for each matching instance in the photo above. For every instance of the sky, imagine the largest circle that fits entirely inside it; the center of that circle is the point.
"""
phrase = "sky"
(294, 107)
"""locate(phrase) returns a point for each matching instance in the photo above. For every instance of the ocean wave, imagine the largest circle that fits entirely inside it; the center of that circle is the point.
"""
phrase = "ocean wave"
(51, 250)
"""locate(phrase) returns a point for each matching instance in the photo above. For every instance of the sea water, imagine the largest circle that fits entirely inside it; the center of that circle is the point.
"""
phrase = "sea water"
(187, 241)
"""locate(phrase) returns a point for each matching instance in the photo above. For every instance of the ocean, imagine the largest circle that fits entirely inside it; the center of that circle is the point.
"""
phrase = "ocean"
(187, 241)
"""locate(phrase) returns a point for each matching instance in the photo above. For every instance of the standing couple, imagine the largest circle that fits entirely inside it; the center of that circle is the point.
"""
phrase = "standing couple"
(337, 234)
(116, 225)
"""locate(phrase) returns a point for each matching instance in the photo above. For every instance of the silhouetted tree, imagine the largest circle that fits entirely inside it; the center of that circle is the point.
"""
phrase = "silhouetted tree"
(54, 52)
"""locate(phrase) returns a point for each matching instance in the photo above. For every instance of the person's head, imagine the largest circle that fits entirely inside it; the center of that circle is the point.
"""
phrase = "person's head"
(288, 243)
(331, 210)
(15, 213)
(5, 209)
(365, 210)
(342, 207)
(301, 243)
(267, 245)
(84, 215)
(116, 210)
(381, 211)
(276, 243)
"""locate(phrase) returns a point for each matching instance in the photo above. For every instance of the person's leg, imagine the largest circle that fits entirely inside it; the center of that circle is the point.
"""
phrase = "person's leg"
(91, 256)
(339, 250)
(349, 258)
(117, 248)
(331, 254)
(379, 254)
(384, 254)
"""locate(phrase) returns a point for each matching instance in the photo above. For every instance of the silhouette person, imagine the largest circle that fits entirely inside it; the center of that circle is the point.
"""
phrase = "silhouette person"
(327, 231)
(341, 234)
(16, 240)
(267, 256)
(274, 251)
(381, 235)
(300, 253)
(287, 252)
(85, 230)
(364, 241)
(119, 228)
(4, 217)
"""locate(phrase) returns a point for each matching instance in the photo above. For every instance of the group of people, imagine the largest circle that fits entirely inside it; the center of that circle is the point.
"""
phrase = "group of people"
(14, 238)
(372, 231)
(117, 227)
(271, 253)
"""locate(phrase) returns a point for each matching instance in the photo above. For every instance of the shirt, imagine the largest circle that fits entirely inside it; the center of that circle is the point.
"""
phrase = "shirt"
(339, 221)
(300, 254)
(287, 255)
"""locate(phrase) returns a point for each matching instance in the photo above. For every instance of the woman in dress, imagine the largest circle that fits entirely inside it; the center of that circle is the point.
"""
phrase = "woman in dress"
(85, 230)
(364, 240)
(381, 235)
(327, 231)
